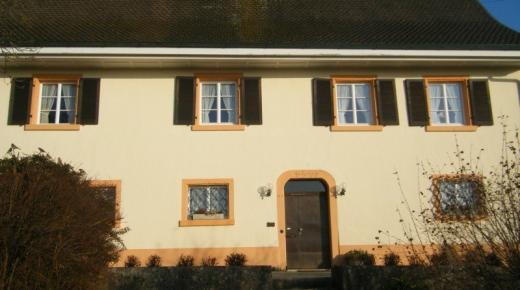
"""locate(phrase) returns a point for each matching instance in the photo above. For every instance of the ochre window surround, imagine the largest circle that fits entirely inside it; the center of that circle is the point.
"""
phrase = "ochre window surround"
(370, 81)
(478, 195)
(186, 183)
(228, 77)
(463, 82)
(36, 98)
(116, 184)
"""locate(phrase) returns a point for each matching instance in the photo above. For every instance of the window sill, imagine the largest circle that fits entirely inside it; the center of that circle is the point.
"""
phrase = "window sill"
(218, 128)
(196, 223)
(463, 128)
(52, 127)
(353, 128)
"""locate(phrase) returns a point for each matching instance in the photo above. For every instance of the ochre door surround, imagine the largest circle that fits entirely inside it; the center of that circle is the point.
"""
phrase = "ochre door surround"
(280, 199)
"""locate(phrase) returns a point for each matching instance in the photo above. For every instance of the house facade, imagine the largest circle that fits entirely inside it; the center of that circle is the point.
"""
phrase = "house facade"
(272, 129)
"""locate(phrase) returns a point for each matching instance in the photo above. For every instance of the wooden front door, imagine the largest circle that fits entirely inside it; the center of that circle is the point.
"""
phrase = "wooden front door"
(307, 226)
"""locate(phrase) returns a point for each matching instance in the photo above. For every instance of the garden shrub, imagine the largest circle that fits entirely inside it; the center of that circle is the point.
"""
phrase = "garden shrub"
(132, 261)
(209, 262)
(236, 259)
(185, 261)
(358, 258)
(56, 231)
(392, 259)
(153, 261)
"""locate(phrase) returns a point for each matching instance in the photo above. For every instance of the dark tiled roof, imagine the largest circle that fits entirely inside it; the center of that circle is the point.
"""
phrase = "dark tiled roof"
(382, 24)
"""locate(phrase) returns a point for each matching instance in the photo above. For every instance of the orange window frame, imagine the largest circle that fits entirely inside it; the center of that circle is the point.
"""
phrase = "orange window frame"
(439, 215)
(463, 81)
(186, 183)
(38, 80)
(371, 81)
(116, 183)
(200, 78)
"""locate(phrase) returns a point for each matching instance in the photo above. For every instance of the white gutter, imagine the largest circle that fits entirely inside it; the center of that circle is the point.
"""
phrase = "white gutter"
(265, 52)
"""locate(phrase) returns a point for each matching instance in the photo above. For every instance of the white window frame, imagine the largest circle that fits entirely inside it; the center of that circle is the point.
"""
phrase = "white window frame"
(354, 106)
(445, 101)
(219, 105)
(58, 102)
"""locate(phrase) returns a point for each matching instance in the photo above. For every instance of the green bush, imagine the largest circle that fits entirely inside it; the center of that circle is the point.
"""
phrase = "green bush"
(236, 259)
(358, 258)
(185, 261)
(56, 231)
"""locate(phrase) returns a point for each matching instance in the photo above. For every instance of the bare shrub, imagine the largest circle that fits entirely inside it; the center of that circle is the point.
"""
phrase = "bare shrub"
(236, 259)
(185, 261)
(358, 258)
(132, 261)
(56, 231)
(153, 261)
(209, 262)
(392, 259)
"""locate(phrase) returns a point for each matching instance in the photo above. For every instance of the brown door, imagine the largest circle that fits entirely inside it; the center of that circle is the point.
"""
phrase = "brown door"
(307, 229)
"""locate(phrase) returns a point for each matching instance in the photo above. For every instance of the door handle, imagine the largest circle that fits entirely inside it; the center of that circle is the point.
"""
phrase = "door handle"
(289, 228)
(300, 230)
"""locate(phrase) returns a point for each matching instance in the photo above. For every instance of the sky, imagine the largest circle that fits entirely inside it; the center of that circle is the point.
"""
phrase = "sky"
(505, 11)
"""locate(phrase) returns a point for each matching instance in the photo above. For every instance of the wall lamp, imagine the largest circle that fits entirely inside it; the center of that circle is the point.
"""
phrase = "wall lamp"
(341, 190)
(265, 190)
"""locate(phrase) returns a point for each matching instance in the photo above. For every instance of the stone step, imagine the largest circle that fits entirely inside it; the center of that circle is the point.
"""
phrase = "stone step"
(319, 280)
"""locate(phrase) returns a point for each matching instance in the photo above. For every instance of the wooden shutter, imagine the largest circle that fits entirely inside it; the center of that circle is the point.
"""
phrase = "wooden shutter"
(481, 114)
(387, 103)
(251, 101)
(184, 111)
(88, 110)
(20, 103)
(322, 102)
(416, 103)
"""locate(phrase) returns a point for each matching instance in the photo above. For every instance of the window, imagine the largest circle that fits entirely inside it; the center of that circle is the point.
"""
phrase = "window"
(58, 103)
(54, 102)
(458, 197)
(207, 202)
(218, 102)
(354, 103)
(111, 190)
(446, 104)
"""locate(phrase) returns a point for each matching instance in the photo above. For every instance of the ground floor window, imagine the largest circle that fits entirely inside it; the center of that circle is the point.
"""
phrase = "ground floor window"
(458, 196)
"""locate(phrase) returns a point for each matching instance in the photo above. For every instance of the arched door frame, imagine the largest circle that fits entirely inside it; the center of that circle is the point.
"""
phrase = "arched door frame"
(280, 199)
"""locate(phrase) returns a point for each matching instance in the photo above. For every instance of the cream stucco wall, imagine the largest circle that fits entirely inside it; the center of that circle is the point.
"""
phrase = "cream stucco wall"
(137, 142)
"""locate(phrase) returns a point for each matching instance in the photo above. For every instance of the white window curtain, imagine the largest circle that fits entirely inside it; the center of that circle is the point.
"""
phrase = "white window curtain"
(218, 103)
(354, 103)
(446, 103)
(209, 103)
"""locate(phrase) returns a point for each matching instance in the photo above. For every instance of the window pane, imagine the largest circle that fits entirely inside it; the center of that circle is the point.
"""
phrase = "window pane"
(49, 90)
(346, 117)
(345, 104)
(68, 90)
(209, 116)
(47, 117)
(435, 90)
(227, 90)
(344, 91)
(67, 103)
(458, 197)
(219, 200)
(437, 104)
(364, 117)
(209, 90)
(227, 103)
(209, 103)
(66, 117)
(362, 91)
(49, 103)
(363, 104)
(454, 104)
(456, 117)
(198, 200)
(227, 116)
(453, 91)
(438, 117)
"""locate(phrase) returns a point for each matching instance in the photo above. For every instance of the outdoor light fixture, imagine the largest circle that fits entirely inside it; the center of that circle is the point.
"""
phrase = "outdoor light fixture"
(265, 190)
(340, 190)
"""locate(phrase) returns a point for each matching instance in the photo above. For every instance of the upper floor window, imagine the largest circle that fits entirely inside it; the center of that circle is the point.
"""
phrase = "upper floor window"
(225, 102)
(218, 102)
(448, 103)
(54, 102)
(354, 103)
(58, 103)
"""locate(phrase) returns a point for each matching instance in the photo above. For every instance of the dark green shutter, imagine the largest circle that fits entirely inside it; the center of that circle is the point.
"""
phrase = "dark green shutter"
(251, 101)
(416, 103)
(88, 110)
(20, 101)
(387, 103)
(481, 114)
(322, 102)
(184, 111)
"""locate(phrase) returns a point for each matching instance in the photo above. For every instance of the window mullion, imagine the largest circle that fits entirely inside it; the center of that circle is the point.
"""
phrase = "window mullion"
(218, 103)
(445, 99)
(58, 105)
(354, 107)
